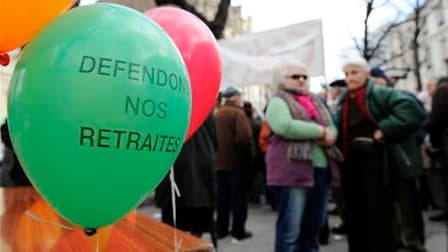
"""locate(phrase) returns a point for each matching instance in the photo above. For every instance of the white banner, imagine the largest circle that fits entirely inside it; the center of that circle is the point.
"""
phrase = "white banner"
(251, 59)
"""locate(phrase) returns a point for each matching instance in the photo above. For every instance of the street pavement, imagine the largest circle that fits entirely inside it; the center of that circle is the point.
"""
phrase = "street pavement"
(261, 222)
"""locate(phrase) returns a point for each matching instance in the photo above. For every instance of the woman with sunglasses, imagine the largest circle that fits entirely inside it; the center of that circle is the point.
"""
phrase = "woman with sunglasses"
(301, 160)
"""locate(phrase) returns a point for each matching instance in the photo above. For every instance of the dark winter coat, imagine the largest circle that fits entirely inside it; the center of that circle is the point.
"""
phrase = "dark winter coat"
(398, 116)
(194, 170)
(438, 122)
(16, 172)
(235, 144)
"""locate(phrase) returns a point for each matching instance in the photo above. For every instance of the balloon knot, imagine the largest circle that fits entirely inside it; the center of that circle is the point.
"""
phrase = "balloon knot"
(4, 59)
(90, 231)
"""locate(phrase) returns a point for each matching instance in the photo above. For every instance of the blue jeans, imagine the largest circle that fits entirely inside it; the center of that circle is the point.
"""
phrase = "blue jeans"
(301, 214)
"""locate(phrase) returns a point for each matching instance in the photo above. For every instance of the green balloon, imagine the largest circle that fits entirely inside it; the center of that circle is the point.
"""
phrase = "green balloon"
(98, 111)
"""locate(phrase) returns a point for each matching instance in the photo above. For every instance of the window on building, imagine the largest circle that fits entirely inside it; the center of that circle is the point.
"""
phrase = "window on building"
(428, 58)
(443, 48)
(424, 28)
(440, 16)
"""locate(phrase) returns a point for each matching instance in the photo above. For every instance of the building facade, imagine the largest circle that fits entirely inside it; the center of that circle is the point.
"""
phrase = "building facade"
(398, 50)
(235, 25)
(139, 5)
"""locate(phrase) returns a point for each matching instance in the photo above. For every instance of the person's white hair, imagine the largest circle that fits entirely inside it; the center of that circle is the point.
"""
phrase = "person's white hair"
(281, 71)
(357, 62)
(433, 78)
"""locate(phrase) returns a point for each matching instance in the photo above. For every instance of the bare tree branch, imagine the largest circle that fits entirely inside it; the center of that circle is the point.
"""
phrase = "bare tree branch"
(379, 41)
(365, 51)
(358, 46)
(372, 43)
(390, 59)
(419, 21)
(221, 17)
(383, 4)
(216, 26)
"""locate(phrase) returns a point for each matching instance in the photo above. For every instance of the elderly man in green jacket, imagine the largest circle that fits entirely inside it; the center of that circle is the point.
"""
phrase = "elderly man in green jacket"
(377, 128)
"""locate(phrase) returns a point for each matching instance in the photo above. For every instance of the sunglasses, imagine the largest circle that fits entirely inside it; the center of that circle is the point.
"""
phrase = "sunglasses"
(298, 76)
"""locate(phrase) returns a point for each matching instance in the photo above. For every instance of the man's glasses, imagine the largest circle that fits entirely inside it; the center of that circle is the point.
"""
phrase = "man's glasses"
(298, 76)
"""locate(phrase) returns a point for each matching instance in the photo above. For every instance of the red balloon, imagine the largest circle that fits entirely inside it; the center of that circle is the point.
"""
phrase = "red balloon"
(200, 52)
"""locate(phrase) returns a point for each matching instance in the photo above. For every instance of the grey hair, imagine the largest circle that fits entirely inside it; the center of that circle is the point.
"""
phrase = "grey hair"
(357, 62)
(433, 78)
(281, 71)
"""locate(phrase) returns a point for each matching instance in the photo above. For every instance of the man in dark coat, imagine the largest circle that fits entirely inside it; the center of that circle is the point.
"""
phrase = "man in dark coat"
(438, 132)
(410, 228)
(194, 172)
(11, 163)
(235, 152)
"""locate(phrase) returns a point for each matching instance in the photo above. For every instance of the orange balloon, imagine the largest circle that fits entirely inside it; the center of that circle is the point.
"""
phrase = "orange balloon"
(20, 20)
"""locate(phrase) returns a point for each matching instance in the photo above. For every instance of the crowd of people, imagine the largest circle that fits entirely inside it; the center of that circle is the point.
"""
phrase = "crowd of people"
(364, 144)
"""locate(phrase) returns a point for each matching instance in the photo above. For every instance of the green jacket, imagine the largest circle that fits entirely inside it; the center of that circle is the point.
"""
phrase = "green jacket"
(398, 116)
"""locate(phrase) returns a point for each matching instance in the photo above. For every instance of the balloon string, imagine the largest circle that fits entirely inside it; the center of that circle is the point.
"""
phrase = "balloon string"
(60, 225)
(39, 219)
(177, 244)
(174, 193)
